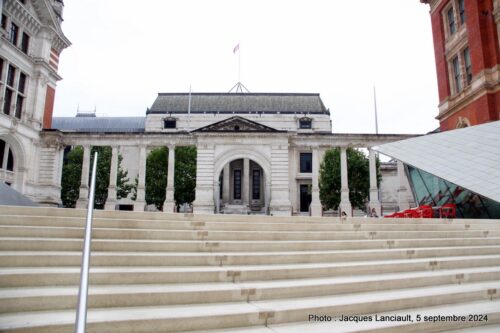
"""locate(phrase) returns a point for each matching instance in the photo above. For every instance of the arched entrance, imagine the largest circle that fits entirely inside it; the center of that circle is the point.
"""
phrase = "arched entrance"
(12, 162)
(241, 188)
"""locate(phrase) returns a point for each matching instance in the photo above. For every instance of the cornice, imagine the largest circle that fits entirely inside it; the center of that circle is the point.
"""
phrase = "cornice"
(22, 15)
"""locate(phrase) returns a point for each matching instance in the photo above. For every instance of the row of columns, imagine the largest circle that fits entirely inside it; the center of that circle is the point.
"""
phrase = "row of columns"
(140, 202)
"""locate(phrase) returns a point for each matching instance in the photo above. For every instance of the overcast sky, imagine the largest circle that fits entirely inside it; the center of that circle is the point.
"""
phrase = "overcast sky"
(125, 51)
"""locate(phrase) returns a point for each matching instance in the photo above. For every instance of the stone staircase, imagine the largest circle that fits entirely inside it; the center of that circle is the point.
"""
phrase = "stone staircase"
(157, 272)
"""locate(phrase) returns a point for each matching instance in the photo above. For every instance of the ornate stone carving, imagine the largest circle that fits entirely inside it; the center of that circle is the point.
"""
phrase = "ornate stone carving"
(236, 124)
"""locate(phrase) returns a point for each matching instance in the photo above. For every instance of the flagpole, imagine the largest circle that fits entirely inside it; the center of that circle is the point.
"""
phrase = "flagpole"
(239, 63)
(189, 110)
(375, 104)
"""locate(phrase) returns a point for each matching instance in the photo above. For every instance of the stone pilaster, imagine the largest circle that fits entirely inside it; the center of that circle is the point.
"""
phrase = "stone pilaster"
(402, 191)
(204, 201)
(316, 208)
(140, 201)
(169, 204)
(83, 198)
(280, 186)
(111, 200)
(374, 199)
(345, 203)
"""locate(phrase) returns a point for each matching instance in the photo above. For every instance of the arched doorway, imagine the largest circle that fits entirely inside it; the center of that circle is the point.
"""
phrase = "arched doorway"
(241, 188)
(7, 174)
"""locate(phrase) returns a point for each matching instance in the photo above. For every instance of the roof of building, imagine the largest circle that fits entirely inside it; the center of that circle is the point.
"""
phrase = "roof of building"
(99, 124)
(468, 157)
(239, 103)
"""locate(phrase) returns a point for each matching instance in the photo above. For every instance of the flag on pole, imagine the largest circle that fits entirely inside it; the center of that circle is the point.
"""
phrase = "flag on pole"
(236, 48)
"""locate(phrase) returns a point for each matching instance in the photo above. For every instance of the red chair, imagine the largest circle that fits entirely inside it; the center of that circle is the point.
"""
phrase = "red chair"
(448, 211)
(425, 212)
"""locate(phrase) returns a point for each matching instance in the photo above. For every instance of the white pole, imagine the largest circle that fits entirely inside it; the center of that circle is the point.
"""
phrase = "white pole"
(189, 109)
(375, 102)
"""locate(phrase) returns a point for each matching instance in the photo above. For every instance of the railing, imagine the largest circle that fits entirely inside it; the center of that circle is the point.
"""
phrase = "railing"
(81, 314)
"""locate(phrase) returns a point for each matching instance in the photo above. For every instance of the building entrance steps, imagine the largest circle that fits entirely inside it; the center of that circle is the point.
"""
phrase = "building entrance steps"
(157, 272)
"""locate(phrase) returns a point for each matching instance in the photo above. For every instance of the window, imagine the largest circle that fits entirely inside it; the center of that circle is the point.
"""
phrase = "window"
(7, 102)
(457, 74)
(237, 184)
(305, 162)
(14, 31)
(461, 9)
(451, 21)
(19, 106)
(25, 43)
(256, 185)
(10, 76)
(22, 82)
(468, 66)
(169, 123)
(6, 157)
(305, 123)
(3, 24)
(1, 70)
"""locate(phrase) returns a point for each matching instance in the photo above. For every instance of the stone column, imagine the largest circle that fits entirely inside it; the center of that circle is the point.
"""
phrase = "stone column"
(267, 191)
(111, 200)
(246, 182)
(225, 191)
(402, 191)
(83, 198)
(345, 204)
(316, 208)
(374, 199)
(169, 204)
(217, 196)
(140, 201)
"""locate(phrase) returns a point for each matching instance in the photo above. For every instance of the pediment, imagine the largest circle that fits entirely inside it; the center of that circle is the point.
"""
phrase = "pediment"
(236, 124)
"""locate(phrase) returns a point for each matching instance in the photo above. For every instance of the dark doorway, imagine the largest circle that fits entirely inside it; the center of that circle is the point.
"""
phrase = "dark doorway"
(305, 197)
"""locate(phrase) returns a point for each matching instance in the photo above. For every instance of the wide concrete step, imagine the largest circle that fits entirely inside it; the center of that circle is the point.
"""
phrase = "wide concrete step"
(58, 298)
(76, 244)
(57, 212)
(171, 224)
(63, 276)
(114, 233)
(67, 258)
(450, 318)
(240, 314)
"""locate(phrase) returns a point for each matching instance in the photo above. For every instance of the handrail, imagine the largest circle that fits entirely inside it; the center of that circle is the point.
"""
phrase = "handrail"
(81, 312)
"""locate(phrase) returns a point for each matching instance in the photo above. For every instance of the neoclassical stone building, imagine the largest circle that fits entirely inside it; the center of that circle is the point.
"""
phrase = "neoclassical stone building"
(255, 152)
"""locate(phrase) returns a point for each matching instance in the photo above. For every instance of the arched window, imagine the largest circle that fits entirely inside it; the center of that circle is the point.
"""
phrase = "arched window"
(6, 156)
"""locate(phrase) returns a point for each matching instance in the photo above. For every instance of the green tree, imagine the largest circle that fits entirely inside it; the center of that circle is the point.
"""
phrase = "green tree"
(102, 174)
(71, 177)
(358, 175)
(123, 187)
(185, 174)
(156, 176)
(72, 171)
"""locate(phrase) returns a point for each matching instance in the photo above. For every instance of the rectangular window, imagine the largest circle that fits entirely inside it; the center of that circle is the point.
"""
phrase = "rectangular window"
(22, 83)
(19, 106)
(305, 124)
(25, 43)
(3, 24)
(7, 102)
(457, 74)
(451, 21)
(461, 8)
(256, 185)
(305, 162)
(2, 152)
(237, 184)
(1, 70)
(10, 76)
(14, 31)
(468, 66)
(169, 123)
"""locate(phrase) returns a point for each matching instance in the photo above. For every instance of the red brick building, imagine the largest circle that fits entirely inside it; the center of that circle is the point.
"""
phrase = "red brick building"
(466, 48)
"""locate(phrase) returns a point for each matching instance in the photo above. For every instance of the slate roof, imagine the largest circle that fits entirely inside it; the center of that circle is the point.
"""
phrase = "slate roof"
(99, 124)
(10, 197)
(468, 157)
(239, 103)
